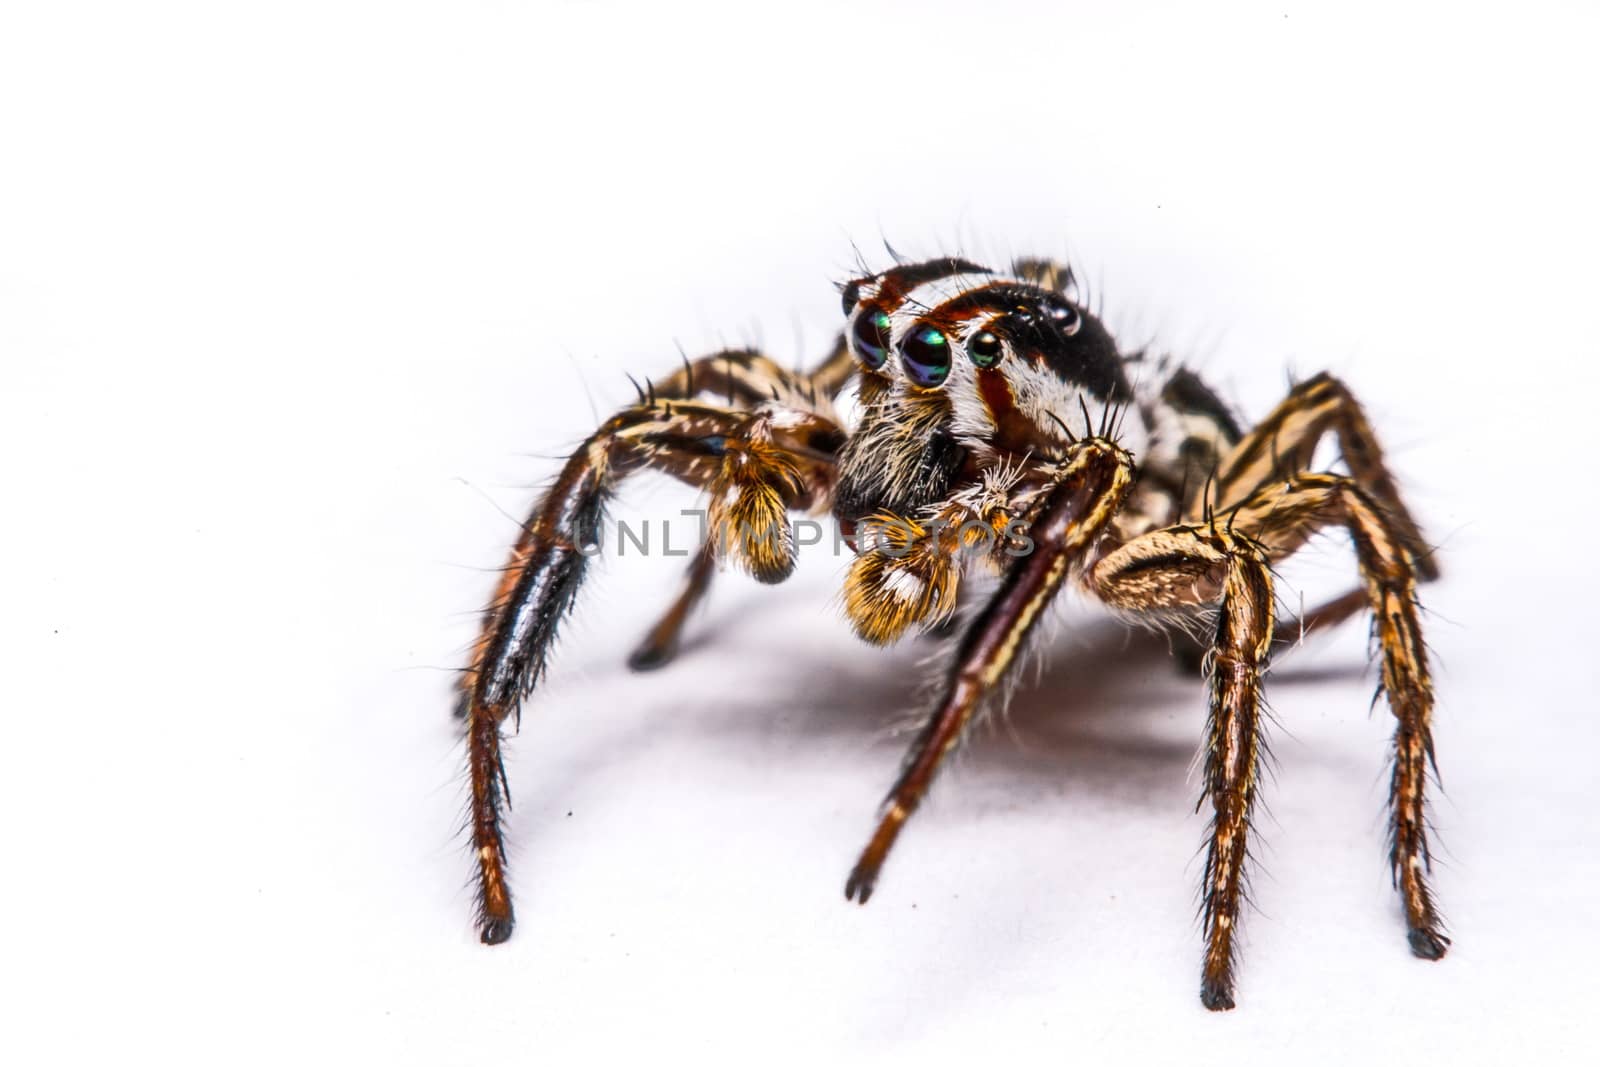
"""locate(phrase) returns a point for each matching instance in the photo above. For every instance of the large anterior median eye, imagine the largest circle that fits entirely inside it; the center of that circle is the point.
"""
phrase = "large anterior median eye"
(926, 354)
(871, 334)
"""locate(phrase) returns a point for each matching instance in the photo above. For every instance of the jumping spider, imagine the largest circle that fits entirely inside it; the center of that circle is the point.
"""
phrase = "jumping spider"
(995, 402)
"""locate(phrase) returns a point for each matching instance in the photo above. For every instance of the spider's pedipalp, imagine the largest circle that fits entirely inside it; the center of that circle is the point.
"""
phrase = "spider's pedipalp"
(1072, 514)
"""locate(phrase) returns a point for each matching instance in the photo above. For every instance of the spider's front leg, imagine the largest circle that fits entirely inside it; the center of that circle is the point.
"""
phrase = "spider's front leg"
(1071, 515)
(755, 464)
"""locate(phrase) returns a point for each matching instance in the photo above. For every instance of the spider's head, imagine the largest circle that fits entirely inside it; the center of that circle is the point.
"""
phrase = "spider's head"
(959, 362)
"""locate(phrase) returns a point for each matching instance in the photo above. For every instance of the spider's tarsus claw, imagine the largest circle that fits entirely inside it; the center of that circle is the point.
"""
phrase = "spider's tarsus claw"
(864, 878)
(651, 655)
(859, 887)
(495, 931)
(1216, 995)
(1427, 944)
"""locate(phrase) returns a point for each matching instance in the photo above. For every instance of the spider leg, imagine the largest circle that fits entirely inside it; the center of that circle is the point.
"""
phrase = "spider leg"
(660, 645)
(1169, 571)
(1285, 442)
(1332, 613)
(1189, 652)
(756, 466)
(1071, 516)
(1283, 519)
(1176, 568)
(1048, 273)
(829, 377)
(745, 379)
(748, 380)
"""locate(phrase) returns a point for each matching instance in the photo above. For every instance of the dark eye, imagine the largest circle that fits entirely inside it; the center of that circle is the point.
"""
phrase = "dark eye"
(984, 348)
(926, 354)
(871, 333)
(850, 294)
(1065, 316)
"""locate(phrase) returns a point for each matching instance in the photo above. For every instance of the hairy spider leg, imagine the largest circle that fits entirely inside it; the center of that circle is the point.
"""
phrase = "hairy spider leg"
(1228, 558)
(1175, 568)
(1286, 441)
(660, 642)
(1283, 518)
(754, 470)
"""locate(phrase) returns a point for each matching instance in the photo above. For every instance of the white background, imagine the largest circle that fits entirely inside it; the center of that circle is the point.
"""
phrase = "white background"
(295, 297)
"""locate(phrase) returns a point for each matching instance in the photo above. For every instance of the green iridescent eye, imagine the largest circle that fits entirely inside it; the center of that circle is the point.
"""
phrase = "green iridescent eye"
(984, 348)
(871, 334)
(926, 355)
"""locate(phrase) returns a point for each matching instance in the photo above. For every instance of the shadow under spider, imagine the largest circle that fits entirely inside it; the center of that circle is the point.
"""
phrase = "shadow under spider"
(1095, 706)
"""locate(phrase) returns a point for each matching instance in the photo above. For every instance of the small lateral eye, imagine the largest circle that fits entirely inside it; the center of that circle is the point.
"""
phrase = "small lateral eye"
(849, 295)
(984, 348)
(926, 355)
(871, 334)
(1065, 316)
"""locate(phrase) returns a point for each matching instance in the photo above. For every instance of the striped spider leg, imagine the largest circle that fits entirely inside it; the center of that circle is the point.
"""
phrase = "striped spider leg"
(1282, 518)
(1226, 560)
(764, 448)
(1394, 558)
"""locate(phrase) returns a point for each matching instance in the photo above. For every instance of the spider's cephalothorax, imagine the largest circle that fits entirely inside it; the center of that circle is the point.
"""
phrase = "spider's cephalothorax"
(960, 365)
(999, 427)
